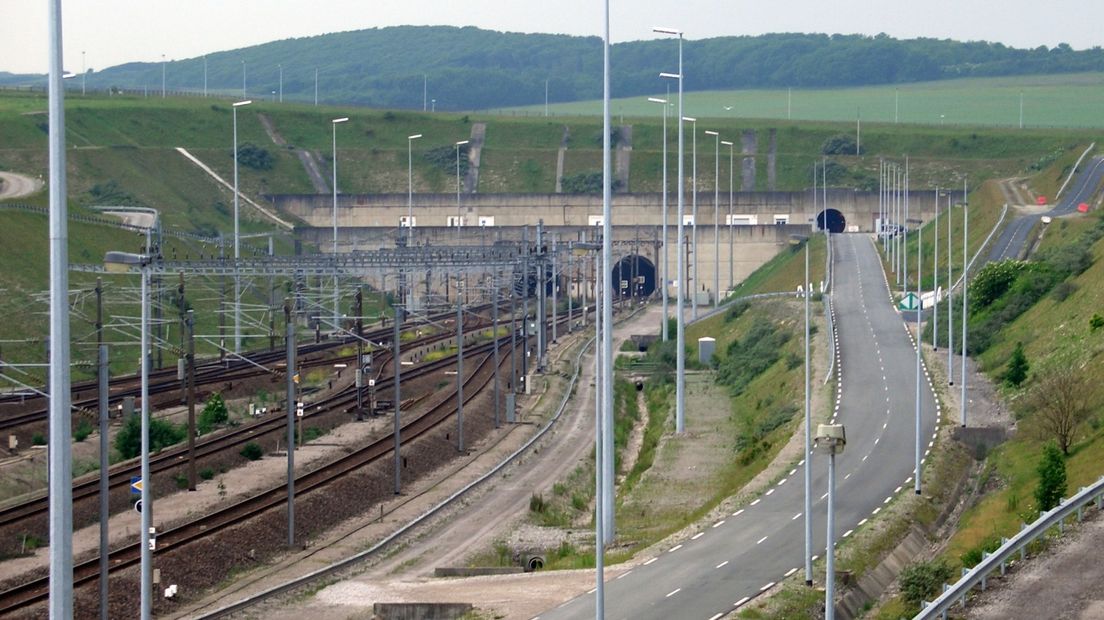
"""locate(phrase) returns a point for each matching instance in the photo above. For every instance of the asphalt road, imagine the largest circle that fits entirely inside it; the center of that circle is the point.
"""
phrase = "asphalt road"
(1012, 242)
(17, 185)
(733, 560)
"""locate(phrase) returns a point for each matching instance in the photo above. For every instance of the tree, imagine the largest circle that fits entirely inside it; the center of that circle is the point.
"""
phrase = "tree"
(1017, 367)
(162, 433)
(1058, 405)
(1052, 478)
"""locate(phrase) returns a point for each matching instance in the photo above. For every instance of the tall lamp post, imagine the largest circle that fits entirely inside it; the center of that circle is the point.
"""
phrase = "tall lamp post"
(731, 255)
(162, 76)
(333, 125)
(831, 440)
(459, 217)
(121, 262)
(666, 276)
(410, 182)
(680, 323)
(237, 230)
(716, 221)
(280, 68)
(693, 210)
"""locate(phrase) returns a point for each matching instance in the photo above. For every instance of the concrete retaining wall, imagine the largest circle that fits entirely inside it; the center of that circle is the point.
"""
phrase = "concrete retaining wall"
(420, 611)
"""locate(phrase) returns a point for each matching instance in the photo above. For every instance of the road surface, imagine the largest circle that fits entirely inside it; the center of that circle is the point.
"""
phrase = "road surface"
(738, 557)
(17, 185)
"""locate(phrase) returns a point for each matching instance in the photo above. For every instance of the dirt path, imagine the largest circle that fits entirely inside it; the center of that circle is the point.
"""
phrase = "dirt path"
(14, 185)
(489, 515)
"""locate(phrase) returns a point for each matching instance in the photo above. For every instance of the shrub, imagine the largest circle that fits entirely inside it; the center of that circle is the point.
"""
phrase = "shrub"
(162, 433)
(841, 144)
(992, 281)
(181, 481)
(38, 439)
(1017, 367)
(1052, 478)
(206, 473)
(922, 580)
(1063, 290)
(82, 430)
(1096, 322)
(252, 451)
(444, 158)
(537, 503)
(214, 413)
(258, 158)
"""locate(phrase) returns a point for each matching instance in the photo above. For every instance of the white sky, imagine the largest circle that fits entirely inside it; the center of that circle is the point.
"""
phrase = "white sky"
(112, 32)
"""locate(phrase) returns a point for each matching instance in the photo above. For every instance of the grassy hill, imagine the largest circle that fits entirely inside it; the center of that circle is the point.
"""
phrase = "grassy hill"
(1065, 100)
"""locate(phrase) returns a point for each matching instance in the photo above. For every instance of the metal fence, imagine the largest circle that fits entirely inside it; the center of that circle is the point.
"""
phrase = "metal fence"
(998, 560)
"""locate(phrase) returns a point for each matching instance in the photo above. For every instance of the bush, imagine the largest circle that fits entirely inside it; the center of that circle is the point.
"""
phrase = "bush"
(1063, 290)
(444, 158)
(83, 430)
(841, 144)
(1052, 478)
(38, 439)
(921, 581)
(747, 357)
(537, 503)
(258, 158)
(206, 473)
(1017, 367)
(181, 481)
(992, 281)
(735, 311)
(128, 441)
(214, 413)
(252, 451)
(1096, 322)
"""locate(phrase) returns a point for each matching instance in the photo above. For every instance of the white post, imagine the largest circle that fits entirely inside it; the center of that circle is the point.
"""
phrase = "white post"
(316, 86)
(336, 289)
(607, 277)
(237, 240)
(694, 218)
(935, 277)
(147, 483)
(965, 282)
(808, 457)
(919, 344)
(731, 182)
(830, 547)
(716, 212)
(666, 277)
(60, 457)
(950, 298)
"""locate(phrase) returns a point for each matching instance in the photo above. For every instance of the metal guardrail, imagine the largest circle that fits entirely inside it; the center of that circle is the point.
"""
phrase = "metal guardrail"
(998, 560)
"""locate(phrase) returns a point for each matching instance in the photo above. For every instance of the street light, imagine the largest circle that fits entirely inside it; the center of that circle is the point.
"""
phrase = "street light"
(666, 276)
(162, 76)
(716, 207)
(237, 240)
(243, 79)
(280, 67)
(459, 218)
(680, 347)
(693, 211)
(731, 255)
(334, 123)
(831, 440)
(121, 262)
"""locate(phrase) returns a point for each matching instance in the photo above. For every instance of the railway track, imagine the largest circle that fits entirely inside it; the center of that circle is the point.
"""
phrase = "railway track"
(37, 590)
(119, 477)
(85, 398)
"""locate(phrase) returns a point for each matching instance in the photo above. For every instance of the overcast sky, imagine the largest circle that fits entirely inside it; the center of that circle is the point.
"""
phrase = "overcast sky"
(112, 32)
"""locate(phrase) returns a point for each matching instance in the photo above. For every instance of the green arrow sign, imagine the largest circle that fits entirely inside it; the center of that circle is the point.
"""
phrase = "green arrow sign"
(910, 302)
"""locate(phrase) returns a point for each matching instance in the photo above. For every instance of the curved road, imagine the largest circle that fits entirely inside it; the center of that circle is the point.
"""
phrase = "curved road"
(735, 559)
(17, 185)
(1013, 239)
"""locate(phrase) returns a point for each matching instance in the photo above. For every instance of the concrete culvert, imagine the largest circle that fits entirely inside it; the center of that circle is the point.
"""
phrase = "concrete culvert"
(534, 563)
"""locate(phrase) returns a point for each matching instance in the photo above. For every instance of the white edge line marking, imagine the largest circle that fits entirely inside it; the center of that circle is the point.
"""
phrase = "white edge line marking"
(790, 572)
(755, 502)
(675, 548)
(673, 592)
(722, 564)
(741, 601)
(767, 587)
(697, 536)
(760, 541)
(650, 561)
(719, 523)
(738, 512)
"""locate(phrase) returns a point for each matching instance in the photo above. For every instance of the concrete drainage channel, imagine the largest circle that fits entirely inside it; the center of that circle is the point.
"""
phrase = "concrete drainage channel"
(413, 611)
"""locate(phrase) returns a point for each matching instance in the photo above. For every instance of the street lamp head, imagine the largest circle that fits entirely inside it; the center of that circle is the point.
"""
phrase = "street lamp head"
(830, 439)
(657, 100)
(689, 119)
(241, 103)
(671, 76)
(710, 132)
(462, 142)
(414, 137)
(662, 30)
(726, 142)
(121, 262)
(340, 120)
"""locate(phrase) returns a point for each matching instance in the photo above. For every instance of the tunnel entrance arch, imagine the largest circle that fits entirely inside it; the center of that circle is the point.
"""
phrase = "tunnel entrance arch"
(634, 276)
(832, 220)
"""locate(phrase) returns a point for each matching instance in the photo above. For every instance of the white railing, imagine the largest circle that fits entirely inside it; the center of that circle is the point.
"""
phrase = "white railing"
(998, 560)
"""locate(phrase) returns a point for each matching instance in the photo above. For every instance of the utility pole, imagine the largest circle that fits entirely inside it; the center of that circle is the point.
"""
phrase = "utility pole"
(358, 305)
(291, 413)
(397, 362)
(459, 366)
(495, 337)
(102, 377)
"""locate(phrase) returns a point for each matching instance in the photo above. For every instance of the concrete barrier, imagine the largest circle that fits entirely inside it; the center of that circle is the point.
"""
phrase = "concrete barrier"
(420, 611)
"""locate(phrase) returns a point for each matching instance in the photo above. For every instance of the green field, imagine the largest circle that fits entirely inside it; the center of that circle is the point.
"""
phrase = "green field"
(1068, 100)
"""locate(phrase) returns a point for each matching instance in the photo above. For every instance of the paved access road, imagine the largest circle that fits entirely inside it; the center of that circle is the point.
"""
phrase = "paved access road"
(1012, 242)
(734, 559)
(17, 185)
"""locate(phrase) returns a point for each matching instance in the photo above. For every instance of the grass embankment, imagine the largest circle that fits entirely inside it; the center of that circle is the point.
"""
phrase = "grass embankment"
(786, 270)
